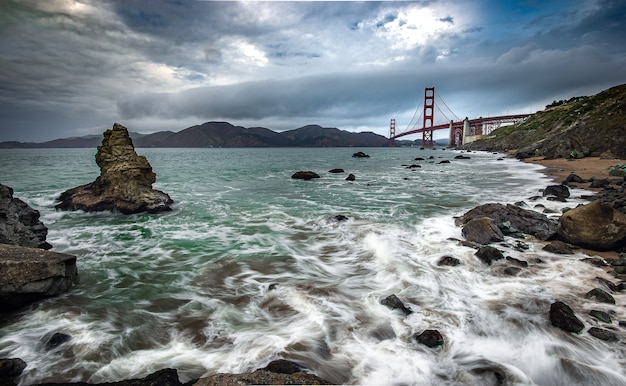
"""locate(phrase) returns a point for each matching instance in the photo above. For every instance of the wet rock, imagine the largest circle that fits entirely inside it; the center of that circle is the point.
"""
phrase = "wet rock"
(562, 316)
(19, 223)
(603, 334)
(10, 369)
(596, 226)
(595, 261)
(482, 230)
(165, 377)
(489, 254)
(261, 377)
(557, 191)
(419, 159)
(609, 284)
(521, 246)
(282, 366)
(393, 302)
(413, 166)
(519, 263)
(56, 340)
(601, 316)
(305, 175)
(445, 161)
(383, 332)
(558, 247)
(600, 295)
(449, 261)
(124, 184)
(336, 171)
(350, 177)
(430, 338)
(512, 271)
(462, 157)
(525, 220)
(360, 154)
(33, 274)
(340, 218)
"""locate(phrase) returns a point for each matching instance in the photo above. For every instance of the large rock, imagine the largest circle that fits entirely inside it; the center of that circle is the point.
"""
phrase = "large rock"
(596, 226)
(279, 372)
(124, 184)
(563, 317)
(19, 223)
(524, 220)
(32, 274)
(482, 230)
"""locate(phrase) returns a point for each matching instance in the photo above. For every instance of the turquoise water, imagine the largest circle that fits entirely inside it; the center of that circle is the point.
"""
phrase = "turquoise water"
(252, 266)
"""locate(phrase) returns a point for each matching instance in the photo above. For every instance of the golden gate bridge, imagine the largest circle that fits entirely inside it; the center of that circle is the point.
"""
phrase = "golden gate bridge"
(462, 131)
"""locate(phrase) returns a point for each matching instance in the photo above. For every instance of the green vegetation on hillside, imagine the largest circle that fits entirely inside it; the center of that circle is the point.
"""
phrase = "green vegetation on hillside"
(580, 126)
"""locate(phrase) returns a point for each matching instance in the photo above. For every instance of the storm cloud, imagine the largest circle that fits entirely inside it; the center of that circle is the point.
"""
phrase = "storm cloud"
(75, 67)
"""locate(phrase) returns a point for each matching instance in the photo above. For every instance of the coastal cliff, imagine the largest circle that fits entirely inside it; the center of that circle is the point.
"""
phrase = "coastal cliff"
(592, 126)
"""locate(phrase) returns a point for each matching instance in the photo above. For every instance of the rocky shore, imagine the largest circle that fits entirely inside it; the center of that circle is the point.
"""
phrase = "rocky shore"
(598, 228)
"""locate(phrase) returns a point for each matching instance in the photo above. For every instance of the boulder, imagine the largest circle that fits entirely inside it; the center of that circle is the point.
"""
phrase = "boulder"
(165, 377)
(482, 230)
(10, 368)
(449, 261)
(19, 223)
(562, 316)
(32, 274)
(336, 171)
(603, 334)
(360, 154)
(600, 295)
(430, 338)
(596, 226)
(524, 220)
(489, 254)
(393, 302)
(557, 191)
(305, 175)
(124, 184)
(350, 177)
(558, 247)
(601, 316)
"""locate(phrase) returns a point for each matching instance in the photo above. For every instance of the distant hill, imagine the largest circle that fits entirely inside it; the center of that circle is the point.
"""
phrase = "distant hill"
(581, 126)
(223, 134)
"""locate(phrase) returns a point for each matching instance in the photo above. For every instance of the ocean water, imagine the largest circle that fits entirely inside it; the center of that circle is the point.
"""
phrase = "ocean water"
(252, 266)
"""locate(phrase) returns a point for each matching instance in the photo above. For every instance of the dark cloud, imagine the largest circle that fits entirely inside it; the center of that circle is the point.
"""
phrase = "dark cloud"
(70, 67)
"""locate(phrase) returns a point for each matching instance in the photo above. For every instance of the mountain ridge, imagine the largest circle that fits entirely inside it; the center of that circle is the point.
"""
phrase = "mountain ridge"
(224, 134)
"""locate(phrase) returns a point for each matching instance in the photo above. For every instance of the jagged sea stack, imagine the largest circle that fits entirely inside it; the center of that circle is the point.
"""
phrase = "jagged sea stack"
(125, 182)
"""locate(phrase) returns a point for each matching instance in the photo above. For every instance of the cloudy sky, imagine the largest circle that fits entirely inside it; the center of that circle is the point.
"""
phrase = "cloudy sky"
(74, 67)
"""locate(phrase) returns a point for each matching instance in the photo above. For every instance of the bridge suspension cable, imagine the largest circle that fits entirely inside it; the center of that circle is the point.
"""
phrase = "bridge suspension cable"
(449, 109)
(415, 119)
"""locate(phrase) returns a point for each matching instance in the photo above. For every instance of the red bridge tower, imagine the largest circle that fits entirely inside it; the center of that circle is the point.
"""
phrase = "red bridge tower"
(429, 110)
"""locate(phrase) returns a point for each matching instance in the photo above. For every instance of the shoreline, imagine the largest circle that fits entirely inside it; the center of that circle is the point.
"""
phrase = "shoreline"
(588, 167)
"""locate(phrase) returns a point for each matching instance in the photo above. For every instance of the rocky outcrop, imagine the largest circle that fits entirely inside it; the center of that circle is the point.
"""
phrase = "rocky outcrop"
(596, 226)
(517, 219)
(32, 274)
(10, 369)
(124, 184)
(19, 223)
(165, 377)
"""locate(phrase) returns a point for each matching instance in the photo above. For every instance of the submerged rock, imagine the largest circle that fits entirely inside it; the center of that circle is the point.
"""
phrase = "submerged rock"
(32, 274)
(360, 154)
(558, 247)
(124, 184)
(449, 261)
(596, 226)
(489, 254)
(562, 316)
(603, 334)
(350, 177)
(600, 295)
(19, 223)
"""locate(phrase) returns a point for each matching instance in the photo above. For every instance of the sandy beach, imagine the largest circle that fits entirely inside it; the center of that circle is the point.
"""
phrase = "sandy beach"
(586, 167)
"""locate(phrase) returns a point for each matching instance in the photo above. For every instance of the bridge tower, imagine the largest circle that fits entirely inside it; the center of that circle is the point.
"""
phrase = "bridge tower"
(429, 110)
(392, 133)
